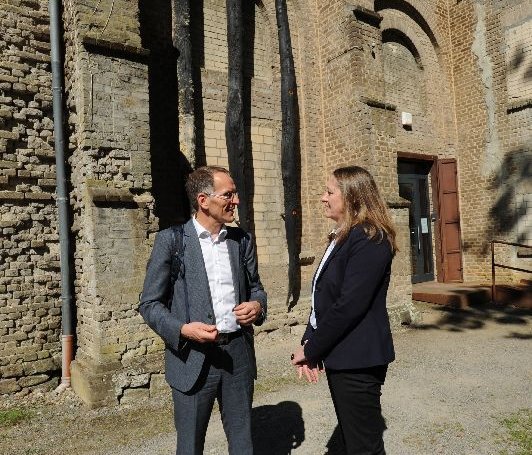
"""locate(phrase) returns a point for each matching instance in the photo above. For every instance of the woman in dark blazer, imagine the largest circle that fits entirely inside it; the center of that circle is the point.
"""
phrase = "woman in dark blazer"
(348, 331)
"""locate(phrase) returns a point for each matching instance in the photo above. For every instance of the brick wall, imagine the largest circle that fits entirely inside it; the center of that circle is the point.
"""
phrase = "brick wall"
(492, 129)
(460, 68)
(117, 92)
(517, 39)
(29, 251)
(111, 20)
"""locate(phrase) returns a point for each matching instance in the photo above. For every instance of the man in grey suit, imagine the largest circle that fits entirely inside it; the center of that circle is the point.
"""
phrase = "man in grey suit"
(205, 311)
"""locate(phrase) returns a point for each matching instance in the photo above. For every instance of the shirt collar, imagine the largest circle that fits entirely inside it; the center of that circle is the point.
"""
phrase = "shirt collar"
(332, 236)
(205, 234)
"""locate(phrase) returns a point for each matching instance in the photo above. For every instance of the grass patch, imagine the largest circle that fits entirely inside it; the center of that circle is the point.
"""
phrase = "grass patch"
(435, 436)
(518, 437)
(11, 417)
(454, 428)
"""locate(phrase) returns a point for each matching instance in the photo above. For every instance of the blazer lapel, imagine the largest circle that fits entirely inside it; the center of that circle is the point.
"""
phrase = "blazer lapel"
(333, 252)
(196, 274)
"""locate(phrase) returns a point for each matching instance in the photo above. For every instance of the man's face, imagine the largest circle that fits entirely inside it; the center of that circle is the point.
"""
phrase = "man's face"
(219, 208)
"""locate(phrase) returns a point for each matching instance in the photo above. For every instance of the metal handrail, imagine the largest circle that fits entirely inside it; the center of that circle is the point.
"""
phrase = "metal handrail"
(502, 266)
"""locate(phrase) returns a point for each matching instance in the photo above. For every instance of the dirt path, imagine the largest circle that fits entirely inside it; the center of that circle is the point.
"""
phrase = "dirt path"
(456, 377)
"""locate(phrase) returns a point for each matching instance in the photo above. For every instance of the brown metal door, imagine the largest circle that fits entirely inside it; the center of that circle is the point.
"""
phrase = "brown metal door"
(451, 244)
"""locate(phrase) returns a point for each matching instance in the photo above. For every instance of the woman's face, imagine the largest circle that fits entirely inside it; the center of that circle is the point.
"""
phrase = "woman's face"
(333, 201)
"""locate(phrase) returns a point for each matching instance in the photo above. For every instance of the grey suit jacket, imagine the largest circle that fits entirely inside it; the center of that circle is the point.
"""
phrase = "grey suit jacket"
(184, 360)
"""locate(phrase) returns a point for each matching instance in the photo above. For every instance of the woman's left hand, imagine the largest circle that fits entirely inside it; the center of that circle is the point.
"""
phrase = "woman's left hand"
(312, 373)
(304, 367)
(298, 357)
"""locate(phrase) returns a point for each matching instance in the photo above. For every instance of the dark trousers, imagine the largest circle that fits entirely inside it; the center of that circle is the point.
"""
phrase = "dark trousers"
(227, 377)
(356, 395)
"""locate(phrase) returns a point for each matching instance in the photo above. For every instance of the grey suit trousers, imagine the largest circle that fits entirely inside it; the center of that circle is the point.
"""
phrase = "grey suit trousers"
(227, 376)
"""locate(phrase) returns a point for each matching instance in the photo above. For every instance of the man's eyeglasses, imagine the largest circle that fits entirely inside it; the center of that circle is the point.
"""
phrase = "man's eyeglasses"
(227, 196)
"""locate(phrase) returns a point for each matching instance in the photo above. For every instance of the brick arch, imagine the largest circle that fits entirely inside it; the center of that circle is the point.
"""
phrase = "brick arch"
(409, 30)
(413, 13)
(269, 31)
(404, 76)
(397, 36)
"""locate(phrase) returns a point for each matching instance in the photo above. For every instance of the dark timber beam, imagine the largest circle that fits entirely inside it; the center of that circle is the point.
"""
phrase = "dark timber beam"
(234, 120)
(290, 153)
(183, 43)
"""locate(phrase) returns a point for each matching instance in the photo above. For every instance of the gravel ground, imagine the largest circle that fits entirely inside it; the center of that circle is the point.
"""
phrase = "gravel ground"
(457, 375)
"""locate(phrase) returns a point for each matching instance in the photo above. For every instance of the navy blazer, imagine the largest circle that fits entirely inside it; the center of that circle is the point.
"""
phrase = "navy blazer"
(353, 329)
(184, 360)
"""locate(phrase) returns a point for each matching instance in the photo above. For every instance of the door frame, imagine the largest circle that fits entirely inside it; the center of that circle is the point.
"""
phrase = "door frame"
(437, 231)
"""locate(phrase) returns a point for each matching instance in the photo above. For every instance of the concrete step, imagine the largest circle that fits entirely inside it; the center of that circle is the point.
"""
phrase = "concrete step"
(463, 295)
(516, 295)
(455, 295)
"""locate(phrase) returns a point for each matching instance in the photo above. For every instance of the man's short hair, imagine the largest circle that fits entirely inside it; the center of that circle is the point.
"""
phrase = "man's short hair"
(202, 181)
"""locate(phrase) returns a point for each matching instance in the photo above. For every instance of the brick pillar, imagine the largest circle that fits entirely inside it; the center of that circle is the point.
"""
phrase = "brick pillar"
(108, 97)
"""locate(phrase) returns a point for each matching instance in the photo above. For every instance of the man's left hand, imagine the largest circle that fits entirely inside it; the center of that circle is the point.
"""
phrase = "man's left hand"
(247, 312)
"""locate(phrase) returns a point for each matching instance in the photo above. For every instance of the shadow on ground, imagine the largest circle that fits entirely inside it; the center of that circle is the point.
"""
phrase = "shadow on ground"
(277, 429)
(477, 316)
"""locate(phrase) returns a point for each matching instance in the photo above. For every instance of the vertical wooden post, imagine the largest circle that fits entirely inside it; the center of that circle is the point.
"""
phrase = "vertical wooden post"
(234, 120)
(183, 43)
(289, 152)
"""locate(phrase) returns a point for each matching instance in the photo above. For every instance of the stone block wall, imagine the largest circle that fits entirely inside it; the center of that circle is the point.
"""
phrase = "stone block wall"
(399, 299)
(29, 251)
(110, 20)
(112, 167)
(110, 82)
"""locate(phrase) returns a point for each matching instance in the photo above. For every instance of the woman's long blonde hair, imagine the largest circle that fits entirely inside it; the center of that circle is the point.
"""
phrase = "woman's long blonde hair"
(364, 206)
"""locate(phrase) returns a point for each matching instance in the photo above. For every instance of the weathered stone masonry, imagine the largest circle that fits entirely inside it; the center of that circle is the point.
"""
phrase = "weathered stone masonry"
(461, 68)
(29, 261)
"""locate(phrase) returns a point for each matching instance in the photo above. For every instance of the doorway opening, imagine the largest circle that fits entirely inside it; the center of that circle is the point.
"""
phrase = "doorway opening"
(414, 187)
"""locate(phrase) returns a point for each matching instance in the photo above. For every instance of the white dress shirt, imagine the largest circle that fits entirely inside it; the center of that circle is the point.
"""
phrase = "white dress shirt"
(328, 251)
(218, 267)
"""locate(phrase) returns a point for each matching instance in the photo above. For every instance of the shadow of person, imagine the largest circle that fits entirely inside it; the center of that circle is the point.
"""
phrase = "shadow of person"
(277, 429)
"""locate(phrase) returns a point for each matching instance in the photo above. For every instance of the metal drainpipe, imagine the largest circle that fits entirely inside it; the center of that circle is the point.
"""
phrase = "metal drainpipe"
(67, 338)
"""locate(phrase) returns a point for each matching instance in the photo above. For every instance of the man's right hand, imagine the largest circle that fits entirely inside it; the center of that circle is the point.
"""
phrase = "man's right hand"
(199, 332)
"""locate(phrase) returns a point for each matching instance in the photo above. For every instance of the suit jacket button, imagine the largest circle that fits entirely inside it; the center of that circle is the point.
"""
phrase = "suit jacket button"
(209, 316)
